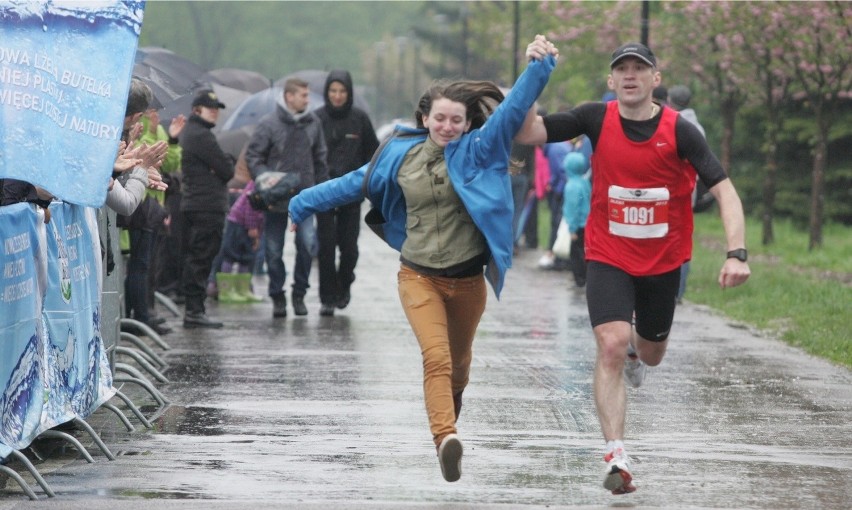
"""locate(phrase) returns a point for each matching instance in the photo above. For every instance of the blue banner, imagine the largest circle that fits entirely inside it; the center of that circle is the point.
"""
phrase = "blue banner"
(65, 72)
(53, 365)
(80, 379)
(23, 372)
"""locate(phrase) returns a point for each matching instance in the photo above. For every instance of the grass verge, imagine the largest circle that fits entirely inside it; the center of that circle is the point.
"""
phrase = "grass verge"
(799, 296)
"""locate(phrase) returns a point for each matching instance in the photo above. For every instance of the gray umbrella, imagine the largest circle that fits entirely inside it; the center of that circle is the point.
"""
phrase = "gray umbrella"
(233, 141)
(240, 79)
(259, 104)
(231, 98)
(169, 75)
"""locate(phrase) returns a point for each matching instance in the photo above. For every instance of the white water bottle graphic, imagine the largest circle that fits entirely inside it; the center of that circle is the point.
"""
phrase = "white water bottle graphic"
(64, 271)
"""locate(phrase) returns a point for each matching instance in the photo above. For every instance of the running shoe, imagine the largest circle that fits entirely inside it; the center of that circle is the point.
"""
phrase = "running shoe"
(617, 477)
(449, 456)
(634, 369)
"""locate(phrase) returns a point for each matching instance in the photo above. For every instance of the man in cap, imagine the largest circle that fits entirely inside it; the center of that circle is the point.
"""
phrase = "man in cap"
(206, 171)
(639, 230)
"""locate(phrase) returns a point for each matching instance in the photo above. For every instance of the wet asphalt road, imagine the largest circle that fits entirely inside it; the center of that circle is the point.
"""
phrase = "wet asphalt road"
(327, 412)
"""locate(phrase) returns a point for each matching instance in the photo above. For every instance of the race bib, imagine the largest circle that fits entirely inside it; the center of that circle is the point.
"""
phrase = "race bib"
(638, 213)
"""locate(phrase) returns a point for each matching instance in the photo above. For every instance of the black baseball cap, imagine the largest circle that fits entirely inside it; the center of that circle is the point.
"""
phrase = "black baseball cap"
(634, 49)
(207, 98)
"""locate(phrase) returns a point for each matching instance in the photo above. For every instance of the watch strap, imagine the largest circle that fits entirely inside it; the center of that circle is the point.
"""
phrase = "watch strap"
(739, 254)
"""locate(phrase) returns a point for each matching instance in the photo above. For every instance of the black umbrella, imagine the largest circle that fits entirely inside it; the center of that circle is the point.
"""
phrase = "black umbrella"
(169, 75)
(240, 79)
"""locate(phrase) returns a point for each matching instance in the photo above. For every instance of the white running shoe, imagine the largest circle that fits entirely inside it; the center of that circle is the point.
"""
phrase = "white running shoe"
(617, 477)
(634, 369)
(546, 261)
(449, 456)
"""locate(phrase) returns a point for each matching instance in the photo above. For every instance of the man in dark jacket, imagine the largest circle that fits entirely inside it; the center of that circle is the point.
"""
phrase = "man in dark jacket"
(206, 172)
(289, 140)
(351, 142)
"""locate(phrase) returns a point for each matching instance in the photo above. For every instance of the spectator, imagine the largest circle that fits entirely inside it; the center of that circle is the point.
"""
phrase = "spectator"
(575, 210)
(678, 99)
(351, 142)
(206, 170)
(289, 140)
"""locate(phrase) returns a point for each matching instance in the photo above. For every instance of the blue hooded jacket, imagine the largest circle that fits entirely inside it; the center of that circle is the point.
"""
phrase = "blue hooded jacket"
(577, 193)
(477, 164)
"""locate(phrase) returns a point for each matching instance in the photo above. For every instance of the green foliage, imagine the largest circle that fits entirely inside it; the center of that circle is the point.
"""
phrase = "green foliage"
(696, 43)
(276, 38)
(799, 296)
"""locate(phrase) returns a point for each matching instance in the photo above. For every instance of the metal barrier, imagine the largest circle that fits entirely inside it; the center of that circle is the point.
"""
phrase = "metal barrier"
(121, 337)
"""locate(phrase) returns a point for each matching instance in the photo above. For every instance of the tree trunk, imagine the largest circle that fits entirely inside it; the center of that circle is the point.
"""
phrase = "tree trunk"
(818, 177)
(769, 178)
(769, 191)
(729, 118)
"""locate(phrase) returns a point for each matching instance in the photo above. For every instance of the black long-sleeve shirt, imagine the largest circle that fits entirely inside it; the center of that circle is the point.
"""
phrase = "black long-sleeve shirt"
(588, 119)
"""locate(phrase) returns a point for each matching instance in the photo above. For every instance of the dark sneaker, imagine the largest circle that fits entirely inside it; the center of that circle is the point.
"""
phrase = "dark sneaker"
(299, 307)
(449, 456)
(617, 477)
(326, 310)
(343, 302)
(200, 321)
(279, 305)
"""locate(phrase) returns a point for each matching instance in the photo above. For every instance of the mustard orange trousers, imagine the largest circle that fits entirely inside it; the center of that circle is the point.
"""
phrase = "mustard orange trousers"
(444, 314)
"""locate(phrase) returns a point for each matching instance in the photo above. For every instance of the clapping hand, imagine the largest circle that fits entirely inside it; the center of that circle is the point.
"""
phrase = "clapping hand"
(176, 125)
(125, 161)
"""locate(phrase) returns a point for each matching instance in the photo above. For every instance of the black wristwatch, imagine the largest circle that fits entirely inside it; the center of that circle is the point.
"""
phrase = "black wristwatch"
(740, 254)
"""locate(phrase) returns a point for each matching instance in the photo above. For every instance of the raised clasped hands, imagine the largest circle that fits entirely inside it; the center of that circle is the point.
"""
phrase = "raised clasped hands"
(540, 47)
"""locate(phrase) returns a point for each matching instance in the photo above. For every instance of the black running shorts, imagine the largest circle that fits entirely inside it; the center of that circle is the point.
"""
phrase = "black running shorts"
(613, 295)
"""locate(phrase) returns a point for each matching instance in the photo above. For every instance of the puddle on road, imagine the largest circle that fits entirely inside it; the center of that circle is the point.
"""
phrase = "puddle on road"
(164, 494)
(191, 421)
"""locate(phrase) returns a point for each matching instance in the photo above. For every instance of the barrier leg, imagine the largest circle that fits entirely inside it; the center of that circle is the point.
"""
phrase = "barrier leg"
(138, 378)
(142, 363)
(33, 471)
(95, 437)
(15, 476)
(167, 302)
(129, 426)
(135, 410)
(143, 354)
(145, 348)
(125, 324)
(71, 439)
